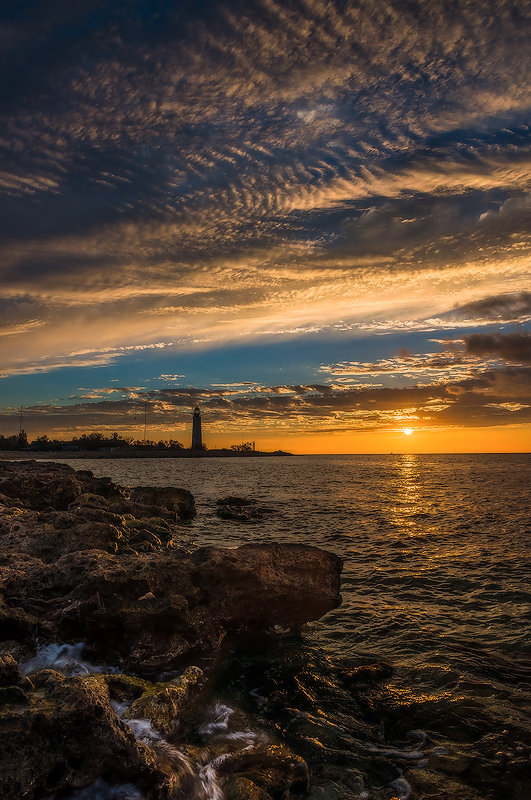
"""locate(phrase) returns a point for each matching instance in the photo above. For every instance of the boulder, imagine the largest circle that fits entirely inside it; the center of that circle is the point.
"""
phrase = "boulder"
(259, 586)
(272, 768)
(163, 704)
(151, 611)
(240, 509)
(67, 736)
(180, 501)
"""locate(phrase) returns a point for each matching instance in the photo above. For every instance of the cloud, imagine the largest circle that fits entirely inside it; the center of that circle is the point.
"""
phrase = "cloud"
(514, 347)
(504, 307)
(473, 355)
(489, 397)
(203, 173)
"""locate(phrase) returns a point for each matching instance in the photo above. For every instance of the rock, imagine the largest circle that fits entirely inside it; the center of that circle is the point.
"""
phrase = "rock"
(243, 789)
(152, 611)
(49, 536)
(140, 511)
(67, 738)
(273, 768)
(125, 688)
(9, 670)
(90, 501)
(427, 785)
(14, 623)
(365, 675)
(74, 570)
(163, 703)
(240, 509)
(12, 695)
(179, 500)
(260, 586)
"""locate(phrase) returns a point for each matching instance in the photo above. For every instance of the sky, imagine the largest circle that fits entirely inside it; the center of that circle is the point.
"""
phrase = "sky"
(311, 218)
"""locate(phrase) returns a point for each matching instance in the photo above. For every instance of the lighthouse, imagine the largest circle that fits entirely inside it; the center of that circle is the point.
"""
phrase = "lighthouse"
(197, 441)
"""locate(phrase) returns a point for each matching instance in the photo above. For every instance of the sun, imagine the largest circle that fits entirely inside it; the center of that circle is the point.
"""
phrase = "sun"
(408, 431)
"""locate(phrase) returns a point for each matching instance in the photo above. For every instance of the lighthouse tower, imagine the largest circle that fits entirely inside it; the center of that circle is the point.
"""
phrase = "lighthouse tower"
(197, 441)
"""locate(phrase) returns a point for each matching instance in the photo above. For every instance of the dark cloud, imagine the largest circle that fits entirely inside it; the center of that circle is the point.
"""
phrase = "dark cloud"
(514, 346)
(493, 397)
(509, 307)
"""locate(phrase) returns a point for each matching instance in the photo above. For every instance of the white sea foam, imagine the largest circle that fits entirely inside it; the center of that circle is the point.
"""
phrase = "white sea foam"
(219, 722)
(65, 658)
(419, 735)
(402, 788)
(396, 753)
(100, 790)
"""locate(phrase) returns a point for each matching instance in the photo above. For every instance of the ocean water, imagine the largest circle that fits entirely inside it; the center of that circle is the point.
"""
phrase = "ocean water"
(435, 584)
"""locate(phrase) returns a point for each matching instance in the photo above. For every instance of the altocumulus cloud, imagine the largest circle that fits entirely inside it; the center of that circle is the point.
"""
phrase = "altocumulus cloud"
(193, 173)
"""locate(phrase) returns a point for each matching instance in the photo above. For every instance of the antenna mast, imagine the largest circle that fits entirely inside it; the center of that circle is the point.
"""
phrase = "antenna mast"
(145, 420)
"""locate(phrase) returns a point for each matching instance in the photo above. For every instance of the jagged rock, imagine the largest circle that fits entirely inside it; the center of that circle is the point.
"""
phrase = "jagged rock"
(71, 570)
(273, 768)
(240, 509)
(9, 670)
(151, 611)
(40, 485)
(89, 500)
(14, 622)
(141, 511)
(241, 788)
(50, 535)
(163, 703)
(67, 737)
(179, 500)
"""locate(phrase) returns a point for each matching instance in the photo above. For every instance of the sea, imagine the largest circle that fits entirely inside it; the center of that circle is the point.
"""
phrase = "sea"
(435, 586)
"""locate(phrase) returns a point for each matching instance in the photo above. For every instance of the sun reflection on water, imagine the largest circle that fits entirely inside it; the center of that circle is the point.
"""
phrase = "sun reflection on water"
(410, 505)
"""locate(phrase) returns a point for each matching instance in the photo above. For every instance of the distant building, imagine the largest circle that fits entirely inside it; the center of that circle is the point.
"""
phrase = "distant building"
(197, 441)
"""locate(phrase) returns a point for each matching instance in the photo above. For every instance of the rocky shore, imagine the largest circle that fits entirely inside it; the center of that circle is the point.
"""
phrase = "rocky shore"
(94, 574)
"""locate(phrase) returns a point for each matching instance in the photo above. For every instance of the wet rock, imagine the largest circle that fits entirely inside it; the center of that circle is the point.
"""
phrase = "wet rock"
(364, 675)
(273, 768)
(243, 789)
(14, 622)
(67, 737)
(427, 785)
(240, 509)
(125, 688)
(9, 670)
(163, 704)
(12, 695)
(180, 501)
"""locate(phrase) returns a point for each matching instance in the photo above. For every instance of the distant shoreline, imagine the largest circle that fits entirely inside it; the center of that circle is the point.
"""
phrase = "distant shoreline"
(131, 452)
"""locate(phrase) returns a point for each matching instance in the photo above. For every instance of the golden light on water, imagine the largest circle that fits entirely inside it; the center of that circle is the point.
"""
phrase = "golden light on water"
(408, 431)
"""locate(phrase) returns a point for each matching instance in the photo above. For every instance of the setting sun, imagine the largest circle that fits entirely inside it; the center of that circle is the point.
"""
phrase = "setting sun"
(408, 431)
